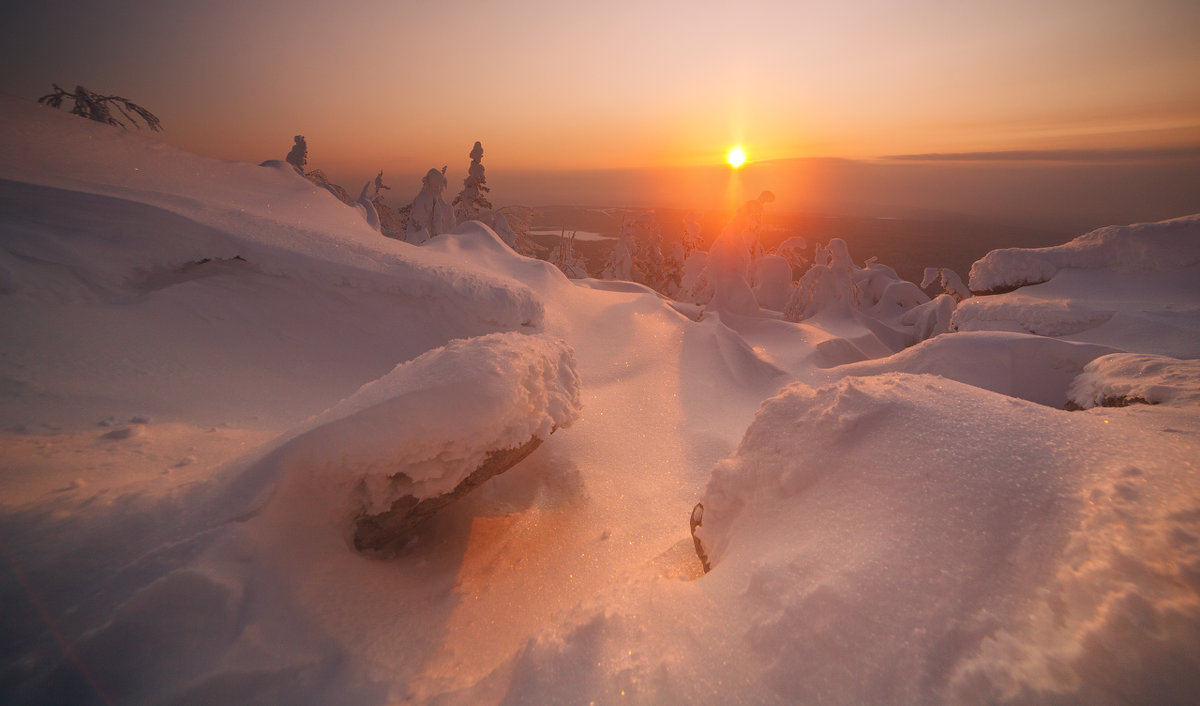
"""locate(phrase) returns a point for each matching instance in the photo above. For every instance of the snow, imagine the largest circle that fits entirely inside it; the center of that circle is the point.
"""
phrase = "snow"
(1143, 246)
(431, 215)
(1030, 368)
(213, 367)
(1128, 378)
(580, 235)
(435, 418)
(1150, 311)
(968, 547)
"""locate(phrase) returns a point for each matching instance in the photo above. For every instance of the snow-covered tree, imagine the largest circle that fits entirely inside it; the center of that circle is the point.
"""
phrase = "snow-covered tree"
(727, 274)
(691, 239)
(431, 215)
(512, 223)
(650, 266)
(794, 250)
(380, 187)
(298, 157)
(564, 258)
(94, 106)
(391, 222)
(472, 201)
(318, 177)
(620, 260)
(366, 207)
(949, 280)
(772, 282)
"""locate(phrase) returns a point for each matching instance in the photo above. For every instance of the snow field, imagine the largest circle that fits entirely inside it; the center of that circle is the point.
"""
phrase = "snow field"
(887, 522)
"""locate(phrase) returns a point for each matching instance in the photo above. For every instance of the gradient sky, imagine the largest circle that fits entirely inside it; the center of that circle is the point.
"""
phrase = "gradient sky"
(550, 84)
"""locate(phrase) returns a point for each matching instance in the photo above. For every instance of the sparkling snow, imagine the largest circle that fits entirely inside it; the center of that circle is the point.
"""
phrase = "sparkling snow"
(204, 361)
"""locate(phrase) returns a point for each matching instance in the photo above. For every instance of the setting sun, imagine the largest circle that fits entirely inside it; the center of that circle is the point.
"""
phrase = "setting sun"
(736, 157)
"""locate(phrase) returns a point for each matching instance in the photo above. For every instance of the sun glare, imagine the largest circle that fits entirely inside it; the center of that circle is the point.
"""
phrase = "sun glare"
(736, 157)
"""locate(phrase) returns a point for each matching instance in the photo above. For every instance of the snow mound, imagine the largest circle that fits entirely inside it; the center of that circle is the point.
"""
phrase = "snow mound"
(1136, 311)
(909, 539)
(1031, 314)
(1124, 378)
(1143, 246)
(1030, 368)
(271, 210)
(436, 418)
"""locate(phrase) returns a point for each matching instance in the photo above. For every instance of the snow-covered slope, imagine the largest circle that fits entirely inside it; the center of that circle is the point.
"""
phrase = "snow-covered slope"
(961, 546)
(1136, 288)
(209, 367)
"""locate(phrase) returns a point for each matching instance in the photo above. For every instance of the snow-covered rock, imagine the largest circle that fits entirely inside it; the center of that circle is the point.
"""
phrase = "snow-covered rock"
(423, 428)
(1144, 246)
(1130, 378)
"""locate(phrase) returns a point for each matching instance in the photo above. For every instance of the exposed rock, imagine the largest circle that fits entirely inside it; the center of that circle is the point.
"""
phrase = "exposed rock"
(393, 527)
(1114, 401)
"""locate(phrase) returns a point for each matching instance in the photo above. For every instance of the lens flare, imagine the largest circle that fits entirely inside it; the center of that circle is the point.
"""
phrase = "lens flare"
(736, 157)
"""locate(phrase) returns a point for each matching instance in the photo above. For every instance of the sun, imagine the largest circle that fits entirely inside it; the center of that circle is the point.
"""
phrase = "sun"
(736, 157)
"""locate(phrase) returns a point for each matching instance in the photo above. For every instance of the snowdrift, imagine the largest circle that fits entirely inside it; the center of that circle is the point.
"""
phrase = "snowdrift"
(1145, 246)
(214, 370)
(431, 430)
(1134, 288)
(968, 546)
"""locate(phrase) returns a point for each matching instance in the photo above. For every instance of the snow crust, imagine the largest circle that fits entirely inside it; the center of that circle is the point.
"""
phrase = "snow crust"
(211, 367)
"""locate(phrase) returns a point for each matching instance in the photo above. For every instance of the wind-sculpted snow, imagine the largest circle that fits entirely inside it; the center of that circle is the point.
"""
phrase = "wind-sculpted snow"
(910, 539)
(1135, 288)
(269, 209)
(1131, 378)
(435, 419)
(1145, 246)
(1144, 311)
(213, 371)
(1026, 367)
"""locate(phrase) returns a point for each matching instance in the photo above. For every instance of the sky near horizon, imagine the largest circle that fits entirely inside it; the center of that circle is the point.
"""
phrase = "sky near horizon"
(551, 85)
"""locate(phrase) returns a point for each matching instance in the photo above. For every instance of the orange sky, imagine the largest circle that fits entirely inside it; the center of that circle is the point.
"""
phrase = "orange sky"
(547, 84)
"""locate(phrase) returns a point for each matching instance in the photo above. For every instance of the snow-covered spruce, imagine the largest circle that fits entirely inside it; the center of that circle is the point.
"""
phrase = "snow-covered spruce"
(472, 201)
